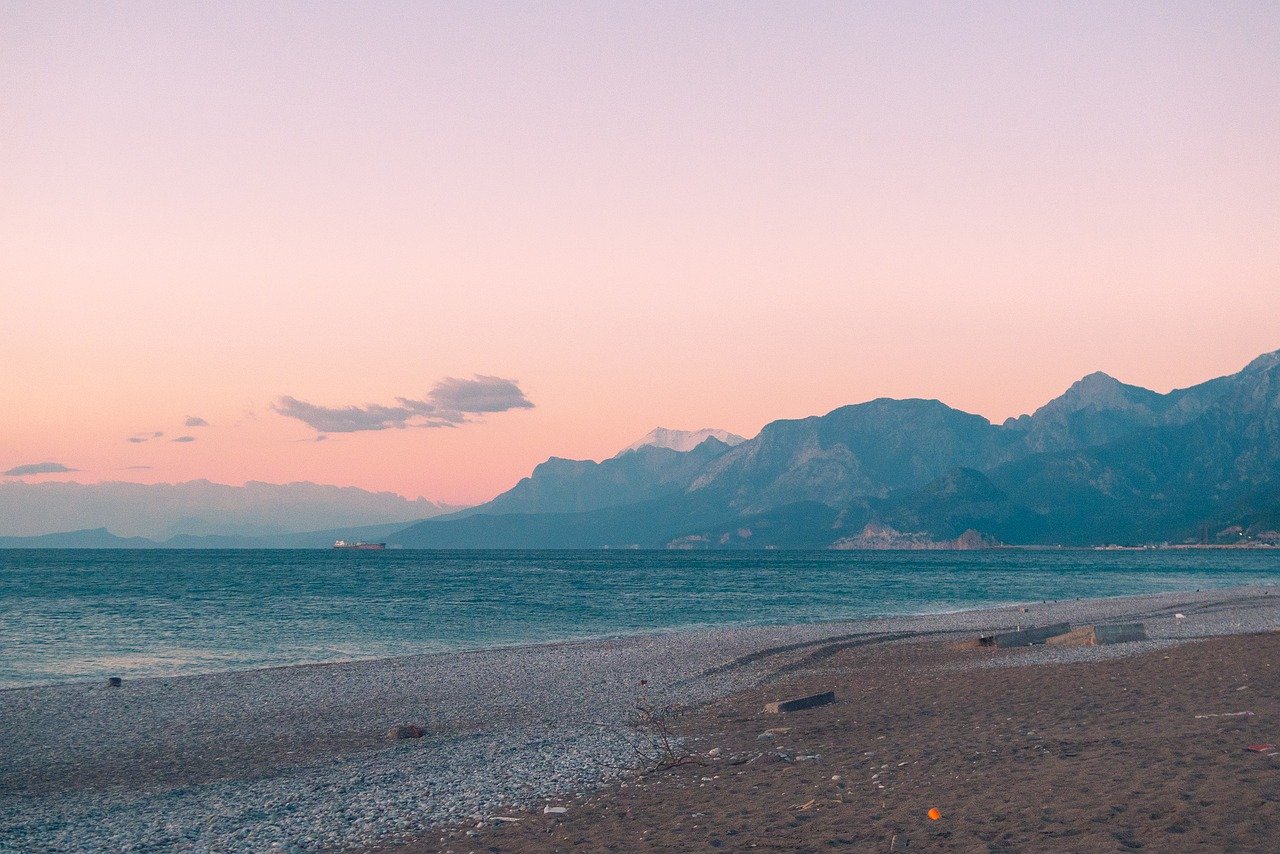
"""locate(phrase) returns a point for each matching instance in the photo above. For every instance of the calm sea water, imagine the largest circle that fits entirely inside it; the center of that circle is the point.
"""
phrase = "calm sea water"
(70, 614)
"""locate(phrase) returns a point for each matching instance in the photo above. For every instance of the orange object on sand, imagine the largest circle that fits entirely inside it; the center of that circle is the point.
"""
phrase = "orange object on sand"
(934, 815)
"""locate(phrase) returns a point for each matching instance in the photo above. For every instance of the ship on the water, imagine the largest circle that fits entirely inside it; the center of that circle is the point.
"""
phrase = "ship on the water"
(359, 545)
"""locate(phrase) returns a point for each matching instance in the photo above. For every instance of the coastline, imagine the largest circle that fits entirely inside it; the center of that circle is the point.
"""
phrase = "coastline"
(298, 756)
(263, 609)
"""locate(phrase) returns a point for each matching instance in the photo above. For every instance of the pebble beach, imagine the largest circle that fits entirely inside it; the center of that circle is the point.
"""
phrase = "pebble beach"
(299, 759)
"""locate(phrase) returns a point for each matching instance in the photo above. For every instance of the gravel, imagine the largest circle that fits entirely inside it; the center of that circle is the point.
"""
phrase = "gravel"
(298, 759)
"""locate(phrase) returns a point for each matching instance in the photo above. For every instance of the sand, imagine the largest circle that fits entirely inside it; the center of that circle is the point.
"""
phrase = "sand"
(297, 759)
(1117, 755)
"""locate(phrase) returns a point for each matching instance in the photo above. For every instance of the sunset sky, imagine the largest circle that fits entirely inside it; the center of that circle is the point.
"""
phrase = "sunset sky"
(525, 230)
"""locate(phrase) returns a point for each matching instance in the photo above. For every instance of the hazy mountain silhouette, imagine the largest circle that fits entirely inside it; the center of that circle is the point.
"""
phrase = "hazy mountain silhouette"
(199, 508)
(95, 538)
(101, 538)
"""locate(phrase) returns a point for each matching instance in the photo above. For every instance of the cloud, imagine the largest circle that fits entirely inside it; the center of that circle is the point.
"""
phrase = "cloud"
(481, 394)
(346, 419)
(449, 403)
(195, 421)
(139, 438)
(183, 439)
(38, 468)
(136, 468)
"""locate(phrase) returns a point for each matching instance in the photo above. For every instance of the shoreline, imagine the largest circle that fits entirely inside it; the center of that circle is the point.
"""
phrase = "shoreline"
(298, 755)
(564, 642)
(611, 637)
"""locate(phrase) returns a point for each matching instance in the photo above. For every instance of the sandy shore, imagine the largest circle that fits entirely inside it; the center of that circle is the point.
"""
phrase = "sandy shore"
(1146, 752)
(297, 758)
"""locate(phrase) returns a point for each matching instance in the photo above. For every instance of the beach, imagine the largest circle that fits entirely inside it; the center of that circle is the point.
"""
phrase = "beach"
(298, 758)
(924, 752)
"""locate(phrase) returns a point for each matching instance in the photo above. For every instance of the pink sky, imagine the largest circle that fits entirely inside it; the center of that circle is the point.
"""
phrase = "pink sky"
(648, 214)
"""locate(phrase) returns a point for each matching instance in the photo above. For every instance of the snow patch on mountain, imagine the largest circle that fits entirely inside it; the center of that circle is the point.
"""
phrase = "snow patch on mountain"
(683, 440)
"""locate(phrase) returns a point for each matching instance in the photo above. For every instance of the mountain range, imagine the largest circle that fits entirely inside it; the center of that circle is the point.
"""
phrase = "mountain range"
(1104, 463)
(198, 512)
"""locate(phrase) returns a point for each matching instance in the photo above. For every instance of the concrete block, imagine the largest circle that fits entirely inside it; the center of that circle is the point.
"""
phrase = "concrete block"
(1025, 637)
(1079, 636)
(800, 703)
(1119, 633)
(1098, 635)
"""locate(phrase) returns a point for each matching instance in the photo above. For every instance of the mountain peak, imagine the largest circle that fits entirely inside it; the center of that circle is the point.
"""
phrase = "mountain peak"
(683, 440)
(1102, 392)
(1096, 383)
(1098, 378)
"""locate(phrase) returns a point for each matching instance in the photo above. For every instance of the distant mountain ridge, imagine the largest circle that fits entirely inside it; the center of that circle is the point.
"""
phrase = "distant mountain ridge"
(199, 508)
(1105, 462)
(101, 538)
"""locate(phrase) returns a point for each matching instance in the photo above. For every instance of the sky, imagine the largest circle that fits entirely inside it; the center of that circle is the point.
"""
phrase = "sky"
(421, 247)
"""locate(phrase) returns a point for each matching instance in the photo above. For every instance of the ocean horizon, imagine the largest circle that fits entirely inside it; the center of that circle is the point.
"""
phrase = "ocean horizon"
(71, 615)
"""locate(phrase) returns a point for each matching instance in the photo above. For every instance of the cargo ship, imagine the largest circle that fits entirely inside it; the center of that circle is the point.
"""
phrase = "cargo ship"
(359, 545)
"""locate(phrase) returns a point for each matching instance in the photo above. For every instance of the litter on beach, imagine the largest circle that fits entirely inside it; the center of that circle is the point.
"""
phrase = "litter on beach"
(1261, 748)
(1226, 715)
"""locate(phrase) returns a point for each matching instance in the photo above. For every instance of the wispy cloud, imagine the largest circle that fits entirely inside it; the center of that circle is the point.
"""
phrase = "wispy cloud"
(38, 468)
(195, 421)
(183, 439)
(343, 419)
(450, 402)
(139, 438)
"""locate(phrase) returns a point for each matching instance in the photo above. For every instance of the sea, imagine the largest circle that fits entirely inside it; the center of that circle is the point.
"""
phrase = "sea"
(68, 615)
